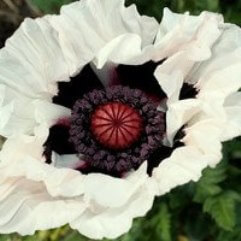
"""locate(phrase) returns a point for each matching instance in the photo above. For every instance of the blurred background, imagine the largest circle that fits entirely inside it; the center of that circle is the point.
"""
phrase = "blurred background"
(209, 210)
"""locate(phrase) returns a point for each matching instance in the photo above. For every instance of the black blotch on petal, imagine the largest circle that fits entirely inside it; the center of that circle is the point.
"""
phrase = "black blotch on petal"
(156, 158)
(70, 92)
(141, 77)
(164, 152)
(58, 141)
(188, 91)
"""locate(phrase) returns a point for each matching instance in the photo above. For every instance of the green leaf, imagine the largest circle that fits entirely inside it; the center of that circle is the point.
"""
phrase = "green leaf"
(5, 238)
(160, 223)
(155, 226)
(74, 236)
(204, 191)
(135, 233)
(153, 8)
(222, 209)
(50, 6)
(196, 226)
(235, 235)
(159, 226)
(164, 223)
(208, 185)
(210, 5)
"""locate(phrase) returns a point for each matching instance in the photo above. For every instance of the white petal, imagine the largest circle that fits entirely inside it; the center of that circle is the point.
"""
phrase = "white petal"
(32, 60)
(107, 75)
(114, 192)
(225, 53)
(232, 107)
(183, 32)
(170, 83)
(184, 40)
(111, 223)
(220, 77)
(26, 207)
(184, 165)
(49, 113)
(233, 125)
(206, 137)
(121, 49)
(31, 64)
(221, 84)
(233, 99)
(202, 148)
(110, 197)
(20, 114)
(88, 28)
(71, 161)
(23, 157)
(16, 112)
(178, 114)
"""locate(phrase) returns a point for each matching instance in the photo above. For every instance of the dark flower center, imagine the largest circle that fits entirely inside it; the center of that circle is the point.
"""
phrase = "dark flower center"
(101, 145)
(116, 129)
(116, 125)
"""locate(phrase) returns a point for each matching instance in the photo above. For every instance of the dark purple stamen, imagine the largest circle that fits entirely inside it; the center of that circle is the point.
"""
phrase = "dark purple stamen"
(107, 158)
(136, 77)
(142, 77)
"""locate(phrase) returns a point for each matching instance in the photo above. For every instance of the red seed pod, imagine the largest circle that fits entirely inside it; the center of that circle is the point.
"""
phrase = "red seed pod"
(116, 125)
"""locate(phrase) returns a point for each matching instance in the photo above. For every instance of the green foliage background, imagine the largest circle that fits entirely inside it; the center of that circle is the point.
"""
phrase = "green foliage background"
(209, 210)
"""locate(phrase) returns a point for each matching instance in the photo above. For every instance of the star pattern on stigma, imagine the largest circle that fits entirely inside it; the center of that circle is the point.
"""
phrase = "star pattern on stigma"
(116, 129)
(116, 125)
(93, 132)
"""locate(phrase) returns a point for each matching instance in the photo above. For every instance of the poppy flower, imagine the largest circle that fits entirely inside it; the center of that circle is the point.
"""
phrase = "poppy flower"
(103, 110)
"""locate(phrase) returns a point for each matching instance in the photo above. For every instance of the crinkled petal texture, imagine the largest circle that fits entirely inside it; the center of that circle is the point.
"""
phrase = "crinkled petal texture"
(41, 196)
(202, 51)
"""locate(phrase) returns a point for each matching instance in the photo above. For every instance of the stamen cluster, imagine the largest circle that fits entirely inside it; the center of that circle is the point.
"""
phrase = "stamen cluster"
(116, 129)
